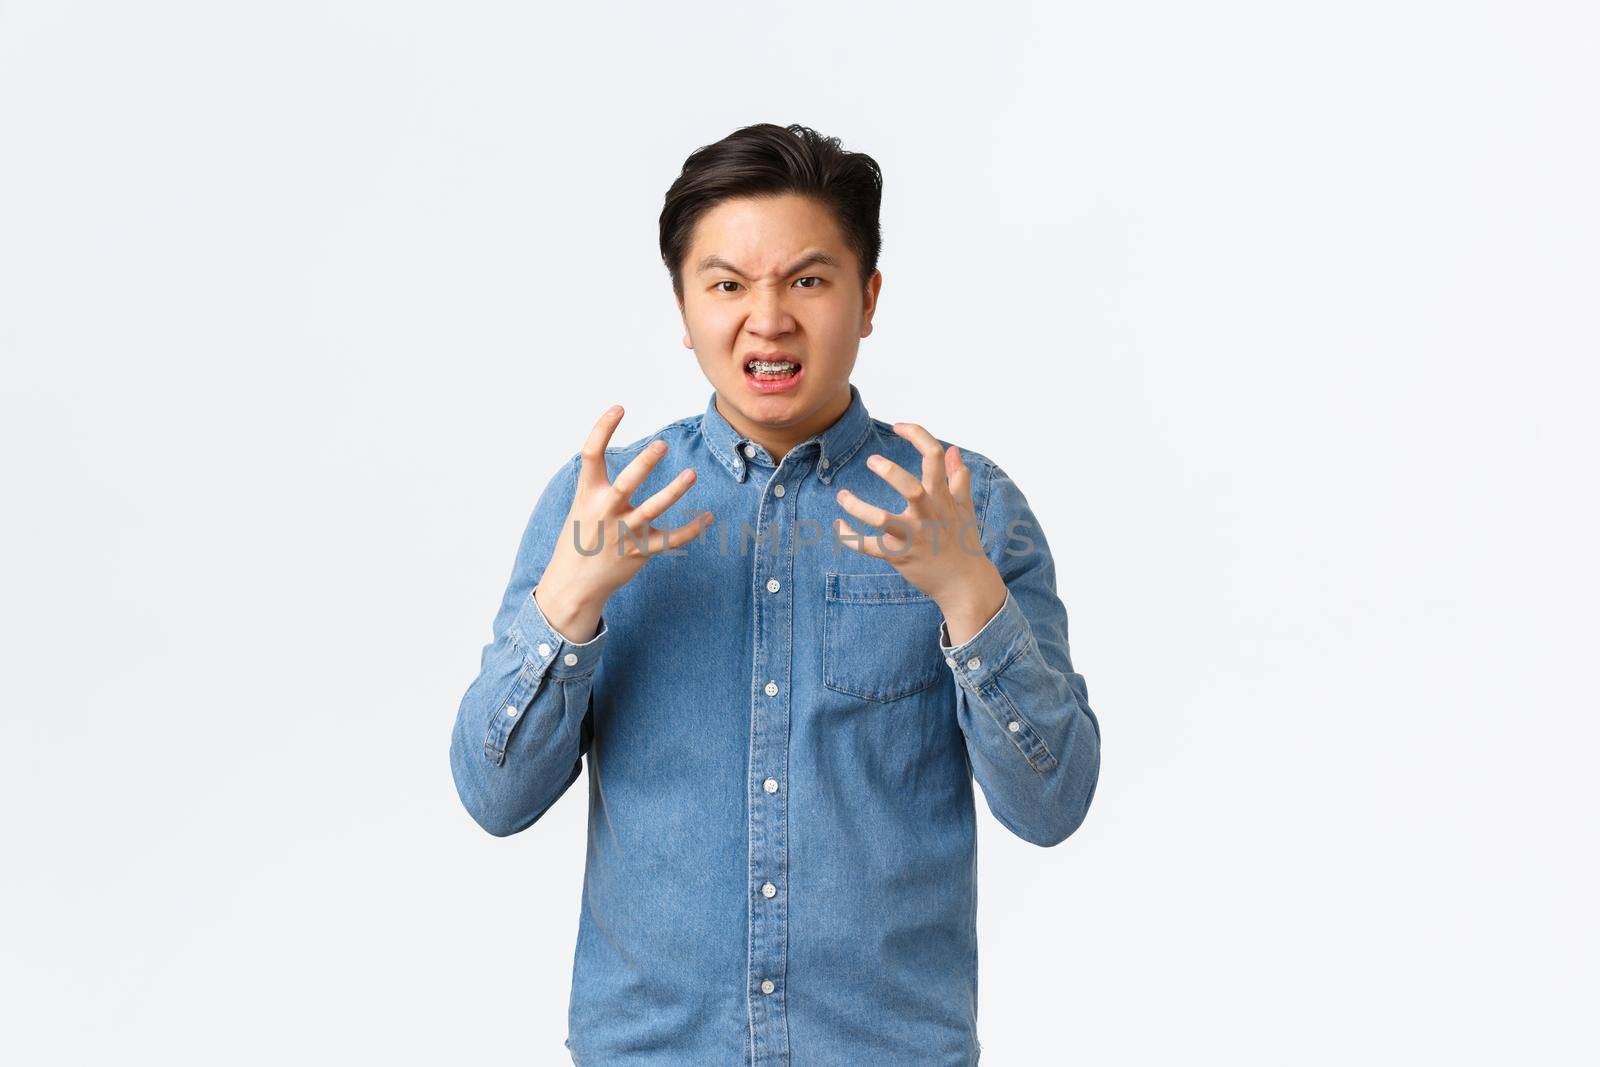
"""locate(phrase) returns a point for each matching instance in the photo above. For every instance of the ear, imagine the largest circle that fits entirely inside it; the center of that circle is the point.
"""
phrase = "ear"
(870, 301)
(688, 342)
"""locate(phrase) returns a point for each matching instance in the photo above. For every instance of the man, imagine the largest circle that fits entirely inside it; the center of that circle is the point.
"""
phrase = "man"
(783, 710)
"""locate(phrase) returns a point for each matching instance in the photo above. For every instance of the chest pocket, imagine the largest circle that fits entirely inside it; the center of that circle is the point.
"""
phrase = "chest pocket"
(880, 636)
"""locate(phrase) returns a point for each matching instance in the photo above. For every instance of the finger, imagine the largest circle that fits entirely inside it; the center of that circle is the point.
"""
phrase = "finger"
(890, 545)
(867, 546)
(629, 478)
(867, 513)
(593, 474)
(968, 531)
(900, 479)
(661, 499)
(959, 475)
(682, 535)
(933, 475)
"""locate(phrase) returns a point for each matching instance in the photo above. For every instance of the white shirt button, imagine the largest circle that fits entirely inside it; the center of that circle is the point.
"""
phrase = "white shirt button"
(772, 585)
(544, 650)
(769, 890)
(824, 462)
(511, 711)
(767, 986)
(750, 450)
(974, 663)
(770, 785)
(570, 659)
(778, 489)
(1014, 727)
(950, 661)
(772, 689)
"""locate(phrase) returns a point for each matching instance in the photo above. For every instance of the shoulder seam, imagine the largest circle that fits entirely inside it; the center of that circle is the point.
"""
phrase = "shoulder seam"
(638, 445)
(989, 468)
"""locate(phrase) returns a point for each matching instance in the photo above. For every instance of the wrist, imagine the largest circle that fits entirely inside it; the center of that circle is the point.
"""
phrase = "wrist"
(969, 610)
(575, 618)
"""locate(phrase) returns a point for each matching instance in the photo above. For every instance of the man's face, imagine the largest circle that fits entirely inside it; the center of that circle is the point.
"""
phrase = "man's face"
(772, 277)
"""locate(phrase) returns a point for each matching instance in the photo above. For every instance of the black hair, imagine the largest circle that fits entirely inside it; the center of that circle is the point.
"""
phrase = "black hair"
(770, 160)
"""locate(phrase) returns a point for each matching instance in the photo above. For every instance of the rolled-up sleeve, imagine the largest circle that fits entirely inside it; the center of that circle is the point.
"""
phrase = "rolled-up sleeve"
(1032, 739)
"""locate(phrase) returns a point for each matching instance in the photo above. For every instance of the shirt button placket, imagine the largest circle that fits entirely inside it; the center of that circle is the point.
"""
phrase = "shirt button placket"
(769, 764)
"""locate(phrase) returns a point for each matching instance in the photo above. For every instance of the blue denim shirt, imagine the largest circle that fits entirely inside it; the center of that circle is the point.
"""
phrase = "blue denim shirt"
(781, 862)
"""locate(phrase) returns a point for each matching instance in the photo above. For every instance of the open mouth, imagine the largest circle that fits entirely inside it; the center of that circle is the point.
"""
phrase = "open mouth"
(772, 376)
(762, 368)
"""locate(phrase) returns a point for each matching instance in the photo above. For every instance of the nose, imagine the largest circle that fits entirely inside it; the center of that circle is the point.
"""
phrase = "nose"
(769, 315)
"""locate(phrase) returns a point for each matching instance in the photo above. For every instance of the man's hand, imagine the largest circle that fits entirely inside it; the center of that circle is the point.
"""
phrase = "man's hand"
(935, 542)
(575, 587)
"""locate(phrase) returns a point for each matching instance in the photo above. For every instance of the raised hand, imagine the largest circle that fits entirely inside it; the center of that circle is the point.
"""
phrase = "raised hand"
(575, 585)
(935, 542)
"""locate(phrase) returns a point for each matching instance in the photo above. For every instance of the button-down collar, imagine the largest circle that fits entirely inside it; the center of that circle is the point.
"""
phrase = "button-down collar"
(838, 442)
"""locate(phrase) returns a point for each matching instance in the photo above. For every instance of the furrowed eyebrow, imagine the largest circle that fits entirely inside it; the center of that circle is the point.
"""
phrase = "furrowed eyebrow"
(716, 262)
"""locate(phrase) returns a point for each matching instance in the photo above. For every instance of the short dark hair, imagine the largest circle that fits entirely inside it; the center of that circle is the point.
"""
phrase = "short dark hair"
(770, 160)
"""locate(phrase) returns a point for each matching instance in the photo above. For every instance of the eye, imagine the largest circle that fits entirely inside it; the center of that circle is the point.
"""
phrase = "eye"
(717, 286)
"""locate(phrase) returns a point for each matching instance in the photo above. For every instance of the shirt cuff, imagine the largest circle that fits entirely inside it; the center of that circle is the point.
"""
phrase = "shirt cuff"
(986, 653)
(542, 644)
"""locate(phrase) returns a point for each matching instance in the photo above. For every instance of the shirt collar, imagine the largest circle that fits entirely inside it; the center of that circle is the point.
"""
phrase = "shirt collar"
(838, 442)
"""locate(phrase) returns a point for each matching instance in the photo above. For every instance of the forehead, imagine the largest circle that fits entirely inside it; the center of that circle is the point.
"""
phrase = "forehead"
(763, 235)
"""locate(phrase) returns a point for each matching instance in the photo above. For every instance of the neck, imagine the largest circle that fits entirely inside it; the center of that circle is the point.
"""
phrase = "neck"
(777, 440)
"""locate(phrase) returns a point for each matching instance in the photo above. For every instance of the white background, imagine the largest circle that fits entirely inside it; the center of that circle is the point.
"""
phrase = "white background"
(1282, 315)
